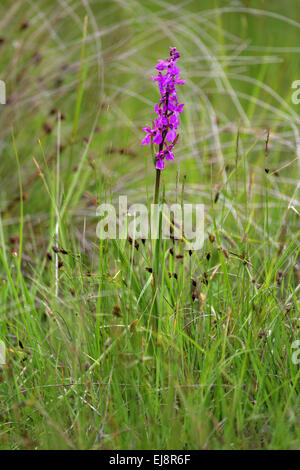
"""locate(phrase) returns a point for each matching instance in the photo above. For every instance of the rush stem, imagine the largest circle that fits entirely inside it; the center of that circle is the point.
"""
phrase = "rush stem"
(157, 184)
(157, 244)
(158, 172)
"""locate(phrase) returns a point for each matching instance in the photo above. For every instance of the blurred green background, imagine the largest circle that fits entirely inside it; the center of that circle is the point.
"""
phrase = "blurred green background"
(239, 62)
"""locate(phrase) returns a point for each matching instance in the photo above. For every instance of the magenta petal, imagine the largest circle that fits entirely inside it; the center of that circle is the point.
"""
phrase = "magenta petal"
(146, 140)
(170, 156)
(162, 65)
(171, 135)
(158, 138)
(174, 120)
(160, 164)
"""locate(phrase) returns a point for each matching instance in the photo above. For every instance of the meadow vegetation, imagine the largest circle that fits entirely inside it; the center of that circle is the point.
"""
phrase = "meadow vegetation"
(98, 355)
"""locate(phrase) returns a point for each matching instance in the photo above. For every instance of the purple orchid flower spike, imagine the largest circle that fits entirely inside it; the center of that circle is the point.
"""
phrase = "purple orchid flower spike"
(163, 133)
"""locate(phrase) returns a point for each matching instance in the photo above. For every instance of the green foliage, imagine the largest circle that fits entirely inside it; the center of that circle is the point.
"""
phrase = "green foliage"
(102, 357)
